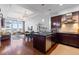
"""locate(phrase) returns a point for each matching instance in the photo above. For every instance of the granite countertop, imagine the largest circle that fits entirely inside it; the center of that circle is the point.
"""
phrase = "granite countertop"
(69, 32)
(43, 33)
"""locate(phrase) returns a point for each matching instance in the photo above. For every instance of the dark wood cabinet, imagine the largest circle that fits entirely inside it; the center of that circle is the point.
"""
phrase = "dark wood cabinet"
(39, 43)
(69, 39)
(42, 43)
(56, 21)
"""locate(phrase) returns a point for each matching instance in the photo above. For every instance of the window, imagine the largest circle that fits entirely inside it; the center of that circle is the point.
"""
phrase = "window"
(13, 25)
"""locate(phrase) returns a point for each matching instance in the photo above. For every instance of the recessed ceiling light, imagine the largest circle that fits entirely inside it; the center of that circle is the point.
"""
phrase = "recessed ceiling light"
(61, 4)
(43, 20)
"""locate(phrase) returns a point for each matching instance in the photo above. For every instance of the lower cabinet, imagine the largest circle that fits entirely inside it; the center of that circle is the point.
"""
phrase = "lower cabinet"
(42, 43)
(39, 43)
(69, 39)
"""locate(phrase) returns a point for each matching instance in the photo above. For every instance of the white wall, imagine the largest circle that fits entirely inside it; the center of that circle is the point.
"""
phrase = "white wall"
(36, 20)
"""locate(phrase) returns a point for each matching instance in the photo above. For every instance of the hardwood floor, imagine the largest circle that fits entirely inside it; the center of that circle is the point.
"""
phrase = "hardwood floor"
(18, 46)
(65, 50)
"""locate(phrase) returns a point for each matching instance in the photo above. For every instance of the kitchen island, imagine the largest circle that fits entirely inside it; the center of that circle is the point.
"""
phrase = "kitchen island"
(43, 41)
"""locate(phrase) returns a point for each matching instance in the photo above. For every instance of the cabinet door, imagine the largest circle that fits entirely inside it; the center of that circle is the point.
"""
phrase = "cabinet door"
(65, 39)
(75, 41)
(42, 43)
(39, 43)
(35, 42)
(56, 21)
(70, 39)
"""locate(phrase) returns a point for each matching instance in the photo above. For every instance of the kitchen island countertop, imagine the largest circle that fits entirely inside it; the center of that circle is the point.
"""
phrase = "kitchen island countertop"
(43, 33)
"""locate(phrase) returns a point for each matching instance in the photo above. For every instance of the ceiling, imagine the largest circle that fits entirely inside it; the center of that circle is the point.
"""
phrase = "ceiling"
(23, 11)
(47, 8)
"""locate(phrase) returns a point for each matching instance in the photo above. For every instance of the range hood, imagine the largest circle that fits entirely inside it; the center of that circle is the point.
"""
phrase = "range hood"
(69, 19)
(69, 22)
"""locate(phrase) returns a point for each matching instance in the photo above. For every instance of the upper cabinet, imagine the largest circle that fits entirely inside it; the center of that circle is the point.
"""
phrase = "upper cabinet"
(70, 18)
(56, 21)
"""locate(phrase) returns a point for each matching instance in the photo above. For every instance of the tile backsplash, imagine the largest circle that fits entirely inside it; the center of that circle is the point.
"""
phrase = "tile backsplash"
(69, 28)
